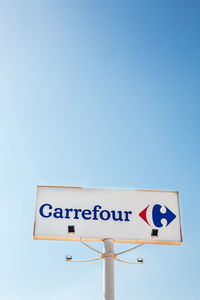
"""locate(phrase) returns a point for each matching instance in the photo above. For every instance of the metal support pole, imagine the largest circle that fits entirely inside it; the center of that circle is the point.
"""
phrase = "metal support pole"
(108, 258)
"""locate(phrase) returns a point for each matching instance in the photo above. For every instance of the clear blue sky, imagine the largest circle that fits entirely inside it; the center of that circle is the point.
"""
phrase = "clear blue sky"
(98, 94)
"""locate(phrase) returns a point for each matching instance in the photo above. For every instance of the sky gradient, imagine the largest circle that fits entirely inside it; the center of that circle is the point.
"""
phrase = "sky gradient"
(98, 94)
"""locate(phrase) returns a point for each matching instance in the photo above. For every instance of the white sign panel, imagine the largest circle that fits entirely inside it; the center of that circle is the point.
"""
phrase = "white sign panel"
(126, 216)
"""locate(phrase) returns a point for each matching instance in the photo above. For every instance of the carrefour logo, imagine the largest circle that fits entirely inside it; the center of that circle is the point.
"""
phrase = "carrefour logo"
(157, 215)
(151, 215)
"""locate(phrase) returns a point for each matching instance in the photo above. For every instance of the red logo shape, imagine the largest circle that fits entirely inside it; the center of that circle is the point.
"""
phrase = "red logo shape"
(143, 215)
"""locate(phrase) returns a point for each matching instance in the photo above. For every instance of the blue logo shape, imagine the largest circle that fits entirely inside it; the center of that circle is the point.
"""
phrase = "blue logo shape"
(158, 216)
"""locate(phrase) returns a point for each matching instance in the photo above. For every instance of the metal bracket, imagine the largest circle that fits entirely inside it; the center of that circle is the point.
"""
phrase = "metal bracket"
(104, 255)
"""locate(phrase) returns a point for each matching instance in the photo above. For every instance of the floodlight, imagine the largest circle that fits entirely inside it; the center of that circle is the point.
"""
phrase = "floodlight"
(68, 257)
(154, 233)
(71, 229)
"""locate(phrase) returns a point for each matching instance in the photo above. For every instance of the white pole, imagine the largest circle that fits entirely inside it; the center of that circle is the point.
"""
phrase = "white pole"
(108, 269)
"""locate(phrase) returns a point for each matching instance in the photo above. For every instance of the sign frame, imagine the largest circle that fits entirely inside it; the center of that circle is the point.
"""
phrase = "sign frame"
(116, 240)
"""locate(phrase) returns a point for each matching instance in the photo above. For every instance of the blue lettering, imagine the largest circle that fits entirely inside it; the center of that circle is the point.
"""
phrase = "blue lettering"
(95, 210)
(46, 211)
(126, 215)
(67, 211)
(85, 213)
(76, 213)
(58, 213)
(113, 212)
(103, 217)
(42, 210)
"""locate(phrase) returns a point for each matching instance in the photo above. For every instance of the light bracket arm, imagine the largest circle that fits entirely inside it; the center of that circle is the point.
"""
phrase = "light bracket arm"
(103, 255)
(133, 248)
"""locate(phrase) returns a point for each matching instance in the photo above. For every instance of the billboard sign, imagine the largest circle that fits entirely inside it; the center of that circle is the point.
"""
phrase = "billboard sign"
(126, 216)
